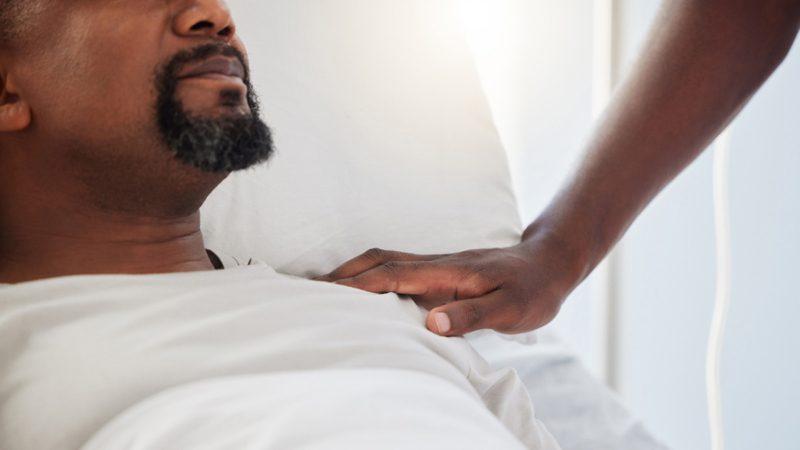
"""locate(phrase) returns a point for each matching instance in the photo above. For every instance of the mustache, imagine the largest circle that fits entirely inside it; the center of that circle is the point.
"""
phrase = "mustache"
(201, 53)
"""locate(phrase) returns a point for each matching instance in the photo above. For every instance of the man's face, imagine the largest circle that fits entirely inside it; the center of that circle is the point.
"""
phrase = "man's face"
(127, 88)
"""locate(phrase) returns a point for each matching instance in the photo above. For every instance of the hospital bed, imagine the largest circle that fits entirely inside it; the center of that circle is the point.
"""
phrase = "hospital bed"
(384, 139)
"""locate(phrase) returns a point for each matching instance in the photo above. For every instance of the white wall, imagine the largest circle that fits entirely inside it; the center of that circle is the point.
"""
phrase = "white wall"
(536, 64)
(761, 364)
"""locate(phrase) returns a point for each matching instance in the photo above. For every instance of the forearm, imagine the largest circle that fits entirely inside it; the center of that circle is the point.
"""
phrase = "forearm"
(702, 63)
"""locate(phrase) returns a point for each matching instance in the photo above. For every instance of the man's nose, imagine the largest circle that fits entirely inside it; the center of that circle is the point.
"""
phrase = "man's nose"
(204, 18)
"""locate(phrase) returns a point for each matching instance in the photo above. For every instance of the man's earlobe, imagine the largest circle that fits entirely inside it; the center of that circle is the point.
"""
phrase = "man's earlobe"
(15, 112)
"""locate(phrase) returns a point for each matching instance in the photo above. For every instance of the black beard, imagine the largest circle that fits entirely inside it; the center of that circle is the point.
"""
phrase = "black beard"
(222, 144)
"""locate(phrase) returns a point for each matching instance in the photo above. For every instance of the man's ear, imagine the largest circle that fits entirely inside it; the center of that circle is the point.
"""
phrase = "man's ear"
(15, 112)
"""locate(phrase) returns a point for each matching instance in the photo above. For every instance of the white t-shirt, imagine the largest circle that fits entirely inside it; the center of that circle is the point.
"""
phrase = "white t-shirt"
(76, 352)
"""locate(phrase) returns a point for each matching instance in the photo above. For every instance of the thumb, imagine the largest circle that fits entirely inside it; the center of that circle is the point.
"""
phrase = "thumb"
(464, 316)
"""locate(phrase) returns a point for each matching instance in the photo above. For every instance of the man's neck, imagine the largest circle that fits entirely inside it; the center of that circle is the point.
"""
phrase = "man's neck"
(72, 243)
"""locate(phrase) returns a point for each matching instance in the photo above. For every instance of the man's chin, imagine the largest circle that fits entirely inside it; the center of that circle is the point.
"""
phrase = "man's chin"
(222, 138)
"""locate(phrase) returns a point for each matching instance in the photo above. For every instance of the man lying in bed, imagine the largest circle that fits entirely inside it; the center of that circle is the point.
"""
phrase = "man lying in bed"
(117, 119)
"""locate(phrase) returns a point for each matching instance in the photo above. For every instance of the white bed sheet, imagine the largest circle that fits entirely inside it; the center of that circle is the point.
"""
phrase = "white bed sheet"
(78, 352)
(363, 409)
(576, 408)
(579, 410)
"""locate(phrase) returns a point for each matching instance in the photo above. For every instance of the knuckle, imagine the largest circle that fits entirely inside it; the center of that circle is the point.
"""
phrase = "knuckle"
(391, 267)
(477, 278)
(375, 254)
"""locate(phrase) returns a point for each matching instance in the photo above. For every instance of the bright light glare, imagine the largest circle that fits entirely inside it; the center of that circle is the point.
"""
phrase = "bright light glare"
(483, 19)
(489, 31)
(518, 46)
(491, 37)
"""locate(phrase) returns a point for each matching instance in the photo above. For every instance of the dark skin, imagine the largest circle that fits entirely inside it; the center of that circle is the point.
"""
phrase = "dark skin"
(702, 63)
(86, 185)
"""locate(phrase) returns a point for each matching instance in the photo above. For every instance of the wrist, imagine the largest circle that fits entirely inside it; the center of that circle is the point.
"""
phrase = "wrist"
(565, 251)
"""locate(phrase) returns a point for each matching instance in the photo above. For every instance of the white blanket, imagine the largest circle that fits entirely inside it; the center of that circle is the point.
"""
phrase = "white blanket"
(242, 358)
(324, 409)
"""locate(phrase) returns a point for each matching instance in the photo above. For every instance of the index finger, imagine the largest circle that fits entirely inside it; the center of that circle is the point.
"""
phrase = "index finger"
(371, 259)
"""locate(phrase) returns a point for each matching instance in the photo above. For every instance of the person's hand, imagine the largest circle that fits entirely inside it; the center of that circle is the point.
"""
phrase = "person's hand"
(511, 290)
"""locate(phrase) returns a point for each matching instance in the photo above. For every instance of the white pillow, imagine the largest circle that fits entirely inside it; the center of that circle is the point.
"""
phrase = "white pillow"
(383, 135)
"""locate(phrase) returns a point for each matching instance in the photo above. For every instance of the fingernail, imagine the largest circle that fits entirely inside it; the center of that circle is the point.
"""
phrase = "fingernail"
(442, 322)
